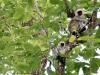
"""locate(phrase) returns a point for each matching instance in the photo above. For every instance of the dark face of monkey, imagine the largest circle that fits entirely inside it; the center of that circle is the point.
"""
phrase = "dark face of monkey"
(62, 44)
(79, 13)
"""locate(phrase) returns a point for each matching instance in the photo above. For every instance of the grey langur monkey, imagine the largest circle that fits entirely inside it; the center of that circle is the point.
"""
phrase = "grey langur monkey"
(78, 23)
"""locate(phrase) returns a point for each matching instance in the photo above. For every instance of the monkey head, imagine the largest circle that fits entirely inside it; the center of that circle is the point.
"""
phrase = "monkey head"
(79, 12)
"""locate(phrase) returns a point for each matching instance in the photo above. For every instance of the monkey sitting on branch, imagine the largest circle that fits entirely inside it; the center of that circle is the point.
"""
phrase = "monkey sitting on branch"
(78, 23)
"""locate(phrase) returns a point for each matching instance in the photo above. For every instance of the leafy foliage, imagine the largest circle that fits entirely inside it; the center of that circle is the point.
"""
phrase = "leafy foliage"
(21, 48)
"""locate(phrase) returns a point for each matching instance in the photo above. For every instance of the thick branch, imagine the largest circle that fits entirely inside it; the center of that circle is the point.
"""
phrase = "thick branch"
(93, 19)
(70, 12)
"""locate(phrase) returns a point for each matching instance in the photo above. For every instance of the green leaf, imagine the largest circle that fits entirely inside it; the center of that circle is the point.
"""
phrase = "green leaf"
(19, 13)
(23, 67)
(86, 70)
(95, 64)
(70, 65)
(30, 2)
(98, 33)
(54, 1)
(88, 53)
(1, 33)
(28, 46)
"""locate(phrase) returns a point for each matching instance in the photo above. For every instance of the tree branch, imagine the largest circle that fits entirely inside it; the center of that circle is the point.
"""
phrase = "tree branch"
(37, 8)
(40, 15)
(70, 12)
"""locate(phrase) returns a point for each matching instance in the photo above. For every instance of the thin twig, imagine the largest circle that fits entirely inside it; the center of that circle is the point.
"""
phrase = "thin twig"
(40, 14)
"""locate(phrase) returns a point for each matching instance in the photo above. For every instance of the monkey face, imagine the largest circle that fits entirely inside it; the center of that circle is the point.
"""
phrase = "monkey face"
(62, 44)
(79, 13)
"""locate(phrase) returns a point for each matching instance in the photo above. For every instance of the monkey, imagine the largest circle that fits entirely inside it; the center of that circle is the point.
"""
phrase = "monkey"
(61, 59)
(76, 27)
(77, 23)
(62, 49)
